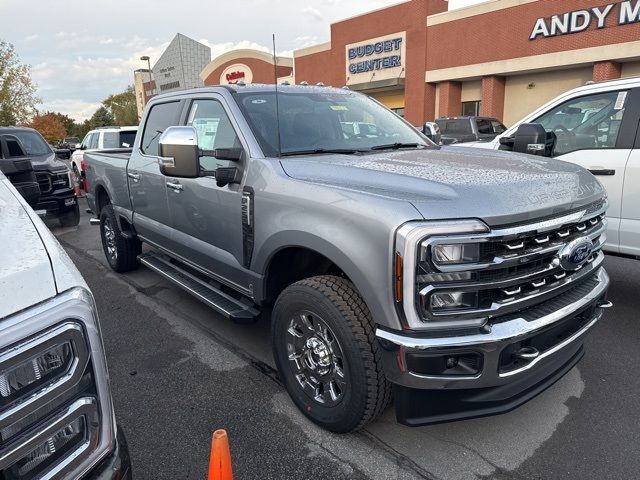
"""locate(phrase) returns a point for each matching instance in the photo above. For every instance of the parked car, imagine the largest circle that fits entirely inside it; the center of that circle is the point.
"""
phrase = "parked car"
(103, 138)
(70, 143)
(595, 126)
(17, 167)
(56, 413)
(57, 196)
(469, 129)
(467, 280)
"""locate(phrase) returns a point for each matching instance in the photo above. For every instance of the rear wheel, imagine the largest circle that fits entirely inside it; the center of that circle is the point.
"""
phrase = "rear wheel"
(71, 218)
(325, 349)
(121, 252)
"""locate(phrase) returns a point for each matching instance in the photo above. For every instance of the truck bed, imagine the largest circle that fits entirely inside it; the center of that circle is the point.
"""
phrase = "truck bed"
(107, 169)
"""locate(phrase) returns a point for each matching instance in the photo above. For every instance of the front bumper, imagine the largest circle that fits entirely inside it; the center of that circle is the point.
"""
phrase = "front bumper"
(115, 467)
(56, 203)
(556, 330)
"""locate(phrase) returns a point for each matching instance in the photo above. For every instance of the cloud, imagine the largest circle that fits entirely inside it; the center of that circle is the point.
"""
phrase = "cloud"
(75, 108)
(31, 38)
(313, 13)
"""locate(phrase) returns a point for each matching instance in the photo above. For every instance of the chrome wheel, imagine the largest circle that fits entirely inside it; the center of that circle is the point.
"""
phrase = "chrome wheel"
(316, 358)
(110, 239)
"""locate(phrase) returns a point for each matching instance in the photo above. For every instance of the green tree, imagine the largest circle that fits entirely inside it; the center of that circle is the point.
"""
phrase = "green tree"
(102, 117)
(18, 98)
(123, 107)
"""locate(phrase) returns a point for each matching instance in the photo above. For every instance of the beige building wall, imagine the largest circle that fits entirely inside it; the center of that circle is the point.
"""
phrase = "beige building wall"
(520, 98)
(471, 91)
(437, 100)
(630, 69)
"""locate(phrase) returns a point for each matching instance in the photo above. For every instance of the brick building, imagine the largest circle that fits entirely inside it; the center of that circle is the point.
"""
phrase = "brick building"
(246, 65)
(501, 58)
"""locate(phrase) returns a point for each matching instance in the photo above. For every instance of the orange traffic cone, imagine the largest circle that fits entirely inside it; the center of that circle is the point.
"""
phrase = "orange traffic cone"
(76, 184)
(220, 460)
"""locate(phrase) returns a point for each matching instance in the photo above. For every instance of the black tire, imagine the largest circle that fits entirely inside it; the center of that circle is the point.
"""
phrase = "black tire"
(121, 252)
(336, 303)
(72, 217)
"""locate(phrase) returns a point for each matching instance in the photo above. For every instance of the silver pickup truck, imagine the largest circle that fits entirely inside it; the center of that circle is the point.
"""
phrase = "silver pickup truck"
(464, 279)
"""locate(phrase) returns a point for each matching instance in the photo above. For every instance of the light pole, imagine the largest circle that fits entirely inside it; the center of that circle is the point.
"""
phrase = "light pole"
(148, 60)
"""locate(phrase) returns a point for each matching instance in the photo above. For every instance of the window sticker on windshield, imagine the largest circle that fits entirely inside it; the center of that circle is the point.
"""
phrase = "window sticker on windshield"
(622, 97)
(342, 108)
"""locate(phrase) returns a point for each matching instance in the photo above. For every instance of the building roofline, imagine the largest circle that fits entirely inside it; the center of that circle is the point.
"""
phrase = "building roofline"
(473, 10)
(241, 53)
(320, 47)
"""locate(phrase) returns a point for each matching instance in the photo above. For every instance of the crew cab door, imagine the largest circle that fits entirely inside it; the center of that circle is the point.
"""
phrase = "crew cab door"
(206, 218)
(630, 219)
(597, 131)
(147, 186)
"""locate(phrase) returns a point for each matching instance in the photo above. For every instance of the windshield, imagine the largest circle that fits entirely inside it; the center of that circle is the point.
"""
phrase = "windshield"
(317, 121)
(33, 143)
(454, 126)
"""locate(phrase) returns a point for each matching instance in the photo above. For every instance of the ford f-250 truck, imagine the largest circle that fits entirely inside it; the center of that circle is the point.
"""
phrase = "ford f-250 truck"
(466, 279)
(56, 414)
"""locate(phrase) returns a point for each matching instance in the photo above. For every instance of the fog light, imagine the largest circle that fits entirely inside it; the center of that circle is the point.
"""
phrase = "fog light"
(58, 445)
(39, 369)
(453, 300)
(457, 253)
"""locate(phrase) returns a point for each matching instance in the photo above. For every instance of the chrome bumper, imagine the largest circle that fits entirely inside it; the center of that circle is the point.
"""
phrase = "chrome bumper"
(396, 347)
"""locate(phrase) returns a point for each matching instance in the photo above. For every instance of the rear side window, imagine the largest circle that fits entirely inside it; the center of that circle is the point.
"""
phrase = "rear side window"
(454, 126)
(110, 140)
(126, 138)
(484, 127)
(93, 143)
(161, 116)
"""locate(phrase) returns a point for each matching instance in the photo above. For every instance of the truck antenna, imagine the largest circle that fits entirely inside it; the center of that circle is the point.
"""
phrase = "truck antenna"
(275, 81)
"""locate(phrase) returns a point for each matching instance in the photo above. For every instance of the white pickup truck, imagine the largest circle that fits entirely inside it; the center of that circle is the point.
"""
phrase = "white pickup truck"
(56, 414)
(596, 127)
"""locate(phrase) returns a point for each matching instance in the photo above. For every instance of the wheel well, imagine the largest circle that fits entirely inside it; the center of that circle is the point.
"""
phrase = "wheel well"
(102, 199)
(293, 264)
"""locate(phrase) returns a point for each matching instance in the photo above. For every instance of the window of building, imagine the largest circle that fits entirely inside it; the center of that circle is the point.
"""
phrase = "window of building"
(214, 130)
(471, 108)
(587, 122)
(399, 111)
(161, 116)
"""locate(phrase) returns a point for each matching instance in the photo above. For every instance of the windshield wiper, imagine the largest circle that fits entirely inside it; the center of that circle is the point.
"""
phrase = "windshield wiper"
(397, 145)
(345, 151)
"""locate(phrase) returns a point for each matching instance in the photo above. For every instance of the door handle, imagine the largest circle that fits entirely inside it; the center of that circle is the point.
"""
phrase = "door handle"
(176, 186)
(134, 176)
(602, 171)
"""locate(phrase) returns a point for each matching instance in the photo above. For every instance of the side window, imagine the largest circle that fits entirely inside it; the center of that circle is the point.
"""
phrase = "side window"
(214, 130)
(110, 140)
(160, 117)
(484, 127)
(86, 141)
(94, 140)
(588, 122)
(14, 148)
(498, 127)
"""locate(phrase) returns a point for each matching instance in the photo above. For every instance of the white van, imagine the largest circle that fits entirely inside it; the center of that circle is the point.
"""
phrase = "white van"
(597, 127)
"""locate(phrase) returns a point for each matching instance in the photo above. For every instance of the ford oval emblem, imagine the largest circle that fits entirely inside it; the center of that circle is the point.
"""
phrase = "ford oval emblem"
(575, 253)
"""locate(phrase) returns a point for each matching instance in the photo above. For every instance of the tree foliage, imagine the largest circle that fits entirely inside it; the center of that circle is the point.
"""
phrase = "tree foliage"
(50, 127)
(18, 98)
(101, 118)
(123, 107)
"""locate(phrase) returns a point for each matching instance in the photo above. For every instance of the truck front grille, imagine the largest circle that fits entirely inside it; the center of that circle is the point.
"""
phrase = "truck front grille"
(514, 268)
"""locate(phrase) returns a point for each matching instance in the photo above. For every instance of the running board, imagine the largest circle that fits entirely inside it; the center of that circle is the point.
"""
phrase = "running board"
(220, 301)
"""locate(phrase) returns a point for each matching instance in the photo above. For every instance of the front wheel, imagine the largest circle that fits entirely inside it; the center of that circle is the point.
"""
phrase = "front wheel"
(326, 353)
(71, 218)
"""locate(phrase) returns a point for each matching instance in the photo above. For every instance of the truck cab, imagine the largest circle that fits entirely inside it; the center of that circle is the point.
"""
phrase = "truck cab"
(56, 413)
(596, 127)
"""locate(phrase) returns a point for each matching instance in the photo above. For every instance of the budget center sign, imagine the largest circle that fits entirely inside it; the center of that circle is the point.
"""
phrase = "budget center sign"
(380, 58)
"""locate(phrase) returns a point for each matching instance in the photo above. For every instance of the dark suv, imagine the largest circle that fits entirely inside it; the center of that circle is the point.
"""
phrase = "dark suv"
(57, 196)
(469, 129)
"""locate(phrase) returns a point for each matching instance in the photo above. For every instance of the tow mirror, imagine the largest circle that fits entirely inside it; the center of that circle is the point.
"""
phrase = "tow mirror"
(431, 130)
(531, 138)
(178, 152)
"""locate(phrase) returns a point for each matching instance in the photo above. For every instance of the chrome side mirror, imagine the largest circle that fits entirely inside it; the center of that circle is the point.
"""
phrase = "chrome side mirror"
(178, 153)
(431, 130)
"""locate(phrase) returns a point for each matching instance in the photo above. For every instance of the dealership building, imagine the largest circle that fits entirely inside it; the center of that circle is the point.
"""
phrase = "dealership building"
(501, 58)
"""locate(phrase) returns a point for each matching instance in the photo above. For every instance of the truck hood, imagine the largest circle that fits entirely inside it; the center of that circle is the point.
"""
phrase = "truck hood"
(33, 265)
(453, 182)
(48, 163)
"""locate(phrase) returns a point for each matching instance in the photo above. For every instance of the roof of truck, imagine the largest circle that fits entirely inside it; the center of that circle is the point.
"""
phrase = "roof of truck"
(258, 87)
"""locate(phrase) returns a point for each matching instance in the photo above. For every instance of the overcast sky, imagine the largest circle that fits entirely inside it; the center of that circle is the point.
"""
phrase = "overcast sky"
(81, 51)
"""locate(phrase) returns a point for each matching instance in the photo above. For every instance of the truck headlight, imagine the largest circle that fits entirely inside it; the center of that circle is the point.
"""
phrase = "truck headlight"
(56, 416)
(456, 253)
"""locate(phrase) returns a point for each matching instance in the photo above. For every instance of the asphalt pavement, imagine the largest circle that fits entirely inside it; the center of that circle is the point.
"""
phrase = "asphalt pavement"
(179, 371)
